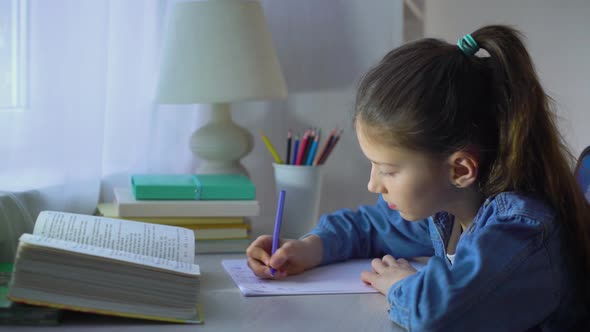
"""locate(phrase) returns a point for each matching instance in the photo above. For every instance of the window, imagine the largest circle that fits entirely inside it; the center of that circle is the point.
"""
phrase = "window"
(13, 54)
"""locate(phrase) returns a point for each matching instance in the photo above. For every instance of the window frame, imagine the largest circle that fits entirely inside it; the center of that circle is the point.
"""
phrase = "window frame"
(17, 69)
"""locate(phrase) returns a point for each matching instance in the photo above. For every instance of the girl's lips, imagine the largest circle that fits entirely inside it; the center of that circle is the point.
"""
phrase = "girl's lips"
(391, 206)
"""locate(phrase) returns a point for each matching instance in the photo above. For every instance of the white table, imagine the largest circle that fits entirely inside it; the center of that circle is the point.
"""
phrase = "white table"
(225, 309)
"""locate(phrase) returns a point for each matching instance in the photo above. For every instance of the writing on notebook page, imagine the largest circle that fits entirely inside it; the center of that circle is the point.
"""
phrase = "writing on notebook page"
(337, 278)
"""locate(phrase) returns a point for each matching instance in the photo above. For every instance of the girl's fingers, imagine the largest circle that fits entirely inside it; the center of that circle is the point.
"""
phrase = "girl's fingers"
(378, 265)
(260, 249)
(259, 269)
(280, 274)
(389, 260)
(288, 259)
(403, 262)
(258, 254)
(368, 277)
(281, 256)
(263, 241)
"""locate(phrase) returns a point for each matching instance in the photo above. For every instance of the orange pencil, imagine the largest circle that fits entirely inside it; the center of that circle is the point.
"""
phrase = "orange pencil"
(331, 147)
(325, 148)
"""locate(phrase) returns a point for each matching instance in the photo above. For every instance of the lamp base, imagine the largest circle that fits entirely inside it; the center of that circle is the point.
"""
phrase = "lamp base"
(214, 167)
(221, 143)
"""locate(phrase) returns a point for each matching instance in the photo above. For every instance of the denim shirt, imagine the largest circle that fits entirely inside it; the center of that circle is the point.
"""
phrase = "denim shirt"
(508, 274)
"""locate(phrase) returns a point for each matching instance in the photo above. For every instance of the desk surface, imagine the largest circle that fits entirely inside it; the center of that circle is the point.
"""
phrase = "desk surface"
(225, 309)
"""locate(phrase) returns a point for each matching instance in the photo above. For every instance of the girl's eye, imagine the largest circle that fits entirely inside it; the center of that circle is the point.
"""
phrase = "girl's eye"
(387, 173)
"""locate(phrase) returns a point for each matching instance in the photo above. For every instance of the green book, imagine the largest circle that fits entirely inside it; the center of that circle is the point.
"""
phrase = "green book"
(192, 187)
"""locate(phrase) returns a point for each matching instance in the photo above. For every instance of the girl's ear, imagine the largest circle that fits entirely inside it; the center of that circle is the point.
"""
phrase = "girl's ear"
(464, 167)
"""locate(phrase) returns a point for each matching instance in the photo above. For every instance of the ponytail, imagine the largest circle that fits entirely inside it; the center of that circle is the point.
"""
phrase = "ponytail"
(531, 155)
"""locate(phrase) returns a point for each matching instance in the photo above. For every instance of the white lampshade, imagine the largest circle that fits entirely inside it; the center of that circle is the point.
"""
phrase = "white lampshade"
(218, 51)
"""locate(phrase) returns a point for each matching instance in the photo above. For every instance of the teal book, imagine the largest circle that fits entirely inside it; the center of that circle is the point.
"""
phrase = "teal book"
(192, 187)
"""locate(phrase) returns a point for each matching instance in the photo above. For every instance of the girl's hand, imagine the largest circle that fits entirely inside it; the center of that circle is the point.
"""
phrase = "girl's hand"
(386, 272)
(292, 257)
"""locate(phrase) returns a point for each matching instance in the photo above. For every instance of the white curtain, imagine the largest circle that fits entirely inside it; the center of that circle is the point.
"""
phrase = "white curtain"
(90, 119)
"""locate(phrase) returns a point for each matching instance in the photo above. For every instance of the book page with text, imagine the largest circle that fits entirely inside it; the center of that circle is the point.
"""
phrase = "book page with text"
(160, 241)
(68, 246)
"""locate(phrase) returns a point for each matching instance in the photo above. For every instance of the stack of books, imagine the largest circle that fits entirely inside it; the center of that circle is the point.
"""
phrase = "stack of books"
(216, 207)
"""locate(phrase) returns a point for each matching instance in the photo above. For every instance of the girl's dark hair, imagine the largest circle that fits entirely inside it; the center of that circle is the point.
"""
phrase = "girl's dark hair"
(428, 95)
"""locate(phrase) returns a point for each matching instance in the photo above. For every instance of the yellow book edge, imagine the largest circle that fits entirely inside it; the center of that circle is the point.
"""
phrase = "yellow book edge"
(198, 319)
(215, 226)
(108, 210)
(222, 238)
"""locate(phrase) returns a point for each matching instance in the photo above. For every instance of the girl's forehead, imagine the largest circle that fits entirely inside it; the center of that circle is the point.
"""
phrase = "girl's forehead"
(369, 133)
(378, 150)
(382, 151)
(376, 137)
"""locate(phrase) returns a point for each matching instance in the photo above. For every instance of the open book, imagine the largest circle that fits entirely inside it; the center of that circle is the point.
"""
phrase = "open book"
(108, 266)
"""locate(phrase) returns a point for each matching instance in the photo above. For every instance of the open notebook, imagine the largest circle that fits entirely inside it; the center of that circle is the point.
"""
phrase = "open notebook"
(338, 278)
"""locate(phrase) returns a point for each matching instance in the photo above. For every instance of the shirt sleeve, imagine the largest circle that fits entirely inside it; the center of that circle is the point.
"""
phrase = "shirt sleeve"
(501, 276)
(372, 231)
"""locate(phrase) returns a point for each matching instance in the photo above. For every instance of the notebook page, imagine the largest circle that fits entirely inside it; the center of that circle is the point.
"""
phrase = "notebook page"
(336, 278)
(160, 241)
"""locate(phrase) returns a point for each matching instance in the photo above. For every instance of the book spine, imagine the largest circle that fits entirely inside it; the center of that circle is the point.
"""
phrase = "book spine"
(192, 187)
(188, 222)
(202, 209)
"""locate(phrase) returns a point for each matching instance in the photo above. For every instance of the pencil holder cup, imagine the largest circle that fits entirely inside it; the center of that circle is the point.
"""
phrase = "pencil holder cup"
(303, 186)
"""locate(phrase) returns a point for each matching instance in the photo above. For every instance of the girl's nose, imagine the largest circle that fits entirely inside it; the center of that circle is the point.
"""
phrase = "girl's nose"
(374, 184)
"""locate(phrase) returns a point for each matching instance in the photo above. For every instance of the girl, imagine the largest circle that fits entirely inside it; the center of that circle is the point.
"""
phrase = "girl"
(465, 153)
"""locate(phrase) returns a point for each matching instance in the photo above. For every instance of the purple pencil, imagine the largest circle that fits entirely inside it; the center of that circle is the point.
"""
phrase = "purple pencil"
(277, 231)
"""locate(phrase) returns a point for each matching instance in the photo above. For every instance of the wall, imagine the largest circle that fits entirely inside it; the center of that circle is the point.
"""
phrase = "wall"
(557, 39)
(324, 47)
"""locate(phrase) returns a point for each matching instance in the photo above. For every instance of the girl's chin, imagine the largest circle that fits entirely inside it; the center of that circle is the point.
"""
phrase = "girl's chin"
(410, 217)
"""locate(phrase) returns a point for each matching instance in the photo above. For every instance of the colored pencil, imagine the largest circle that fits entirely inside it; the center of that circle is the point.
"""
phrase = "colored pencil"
(288, 157)
(331, 147)
(302, 145)
(314, 148)
(308, 146)
(271, 148)
(325, 148)
(277, 231)
(295, 149)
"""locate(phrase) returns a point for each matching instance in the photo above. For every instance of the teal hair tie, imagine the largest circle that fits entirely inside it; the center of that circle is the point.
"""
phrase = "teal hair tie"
(467, 45)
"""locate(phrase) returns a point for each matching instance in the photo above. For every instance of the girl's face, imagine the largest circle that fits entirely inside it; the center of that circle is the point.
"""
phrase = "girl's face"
(413, 183)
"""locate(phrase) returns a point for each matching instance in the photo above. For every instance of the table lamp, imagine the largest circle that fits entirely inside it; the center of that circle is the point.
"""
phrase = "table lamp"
(218, 52)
